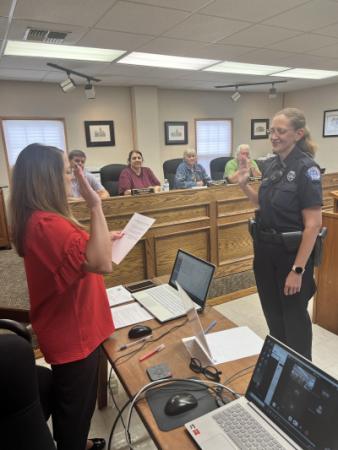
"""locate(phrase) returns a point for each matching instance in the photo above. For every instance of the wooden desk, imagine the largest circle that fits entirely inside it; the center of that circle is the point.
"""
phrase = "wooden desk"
(133, 373)
(209, 223)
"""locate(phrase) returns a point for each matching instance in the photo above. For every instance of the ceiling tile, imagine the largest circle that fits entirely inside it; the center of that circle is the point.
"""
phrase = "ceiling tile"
(170, 46)
(114, 39)
(311, 61)
(222, 51)
(5, 6)
(330, 51)
(265, 56)
(184, 5)
(205, 28)
(13, 74)
(3, 27)
(72, 12)
(252, 10)
(259, 36)
(310, 16)
(331, 30)
(135, 18)
(304, 43)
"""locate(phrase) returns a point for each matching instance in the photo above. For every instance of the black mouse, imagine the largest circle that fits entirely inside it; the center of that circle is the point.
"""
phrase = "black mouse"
(180, 403)
(138, 331)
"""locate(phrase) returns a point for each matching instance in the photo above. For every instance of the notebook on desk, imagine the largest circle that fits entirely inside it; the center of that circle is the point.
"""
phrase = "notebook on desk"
(193, 274)
(289, 404)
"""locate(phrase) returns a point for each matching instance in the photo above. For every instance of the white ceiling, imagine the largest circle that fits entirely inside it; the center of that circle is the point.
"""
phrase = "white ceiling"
(292, 33)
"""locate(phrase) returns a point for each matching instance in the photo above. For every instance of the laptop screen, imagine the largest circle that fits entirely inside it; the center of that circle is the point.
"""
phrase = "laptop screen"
(296, 395)
(193, 274)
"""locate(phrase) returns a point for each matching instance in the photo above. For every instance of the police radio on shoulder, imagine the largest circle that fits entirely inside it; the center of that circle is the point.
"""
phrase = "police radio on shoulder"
(297, 269)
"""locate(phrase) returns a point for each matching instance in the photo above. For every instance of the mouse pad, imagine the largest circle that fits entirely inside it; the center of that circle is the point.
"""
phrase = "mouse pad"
(157, 399)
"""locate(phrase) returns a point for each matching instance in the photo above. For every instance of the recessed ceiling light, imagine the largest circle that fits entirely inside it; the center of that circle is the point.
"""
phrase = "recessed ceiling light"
(40, 50)
(311, 74)
(247, 69)
(166, 61)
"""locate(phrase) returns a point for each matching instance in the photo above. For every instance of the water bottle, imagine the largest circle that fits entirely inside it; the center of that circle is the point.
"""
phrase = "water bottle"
(166, 186)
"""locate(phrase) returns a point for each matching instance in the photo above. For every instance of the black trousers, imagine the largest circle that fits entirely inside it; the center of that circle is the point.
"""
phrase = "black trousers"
(22, 420)
(74, 396)
(286, 315)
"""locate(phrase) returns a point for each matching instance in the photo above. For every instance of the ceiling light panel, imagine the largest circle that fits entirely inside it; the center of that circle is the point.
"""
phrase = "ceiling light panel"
(247, 69)
(35, 49)
(166, 61)
(310, 74)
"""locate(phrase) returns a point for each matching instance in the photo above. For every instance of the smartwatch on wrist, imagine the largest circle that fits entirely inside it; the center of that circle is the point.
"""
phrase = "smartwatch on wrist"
(297, 269)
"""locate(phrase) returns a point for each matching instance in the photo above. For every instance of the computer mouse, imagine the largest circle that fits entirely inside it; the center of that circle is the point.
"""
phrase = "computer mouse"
(180, 403)
(138, 331)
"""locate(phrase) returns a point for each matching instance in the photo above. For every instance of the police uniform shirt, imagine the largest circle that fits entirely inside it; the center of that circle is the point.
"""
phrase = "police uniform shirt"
(288, 187)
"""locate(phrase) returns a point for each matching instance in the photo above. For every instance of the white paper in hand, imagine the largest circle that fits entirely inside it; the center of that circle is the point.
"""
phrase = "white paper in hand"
(137, 226)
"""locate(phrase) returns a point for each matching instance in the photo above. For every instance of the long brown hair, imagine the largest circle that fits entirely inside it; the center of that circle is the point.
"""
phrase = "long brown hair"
(37, 184)
(297, 120)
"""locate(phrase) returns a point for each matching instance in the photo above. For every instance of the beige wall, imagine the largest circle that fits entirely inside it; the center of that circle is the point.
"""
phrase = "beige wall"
(125, 108)
(314, 102)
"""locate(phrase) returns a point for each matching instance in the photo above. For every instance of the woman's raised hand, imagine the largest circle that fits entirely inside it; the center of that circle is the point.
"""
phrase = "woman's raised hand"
(89, 195)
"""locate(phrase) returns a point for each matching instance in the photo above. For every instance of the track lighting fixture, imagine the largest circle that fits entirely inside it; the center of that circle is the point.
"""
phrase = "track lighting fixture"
(68, 84)
(236, 95)
(272, 92)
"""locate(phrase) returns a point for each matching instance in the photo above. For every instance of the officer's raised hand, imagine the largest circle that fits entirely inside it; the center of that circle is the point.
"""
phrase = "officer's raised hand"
(243, 172)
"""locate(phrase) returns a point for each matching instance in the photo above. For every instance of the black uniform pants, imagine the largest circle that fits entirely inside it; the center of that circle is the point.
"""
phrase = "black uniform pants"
(286, 315)
(74, 393)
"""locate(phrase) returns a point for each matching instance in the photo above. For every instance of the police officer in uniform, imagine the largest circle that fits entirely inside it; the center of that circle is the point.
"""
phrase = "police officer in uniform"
(288, 222)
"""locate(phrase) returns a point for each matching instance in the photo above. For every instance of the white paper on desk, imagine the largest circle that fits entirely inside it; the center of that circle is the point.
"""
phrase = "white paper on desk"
(129, 314)
(118, 295)
(236, 343)
(133, 231)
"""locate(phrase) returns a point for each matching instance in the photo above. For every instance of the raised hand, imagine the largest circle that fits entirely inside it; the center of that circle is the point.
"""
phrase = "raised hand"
(89, 195)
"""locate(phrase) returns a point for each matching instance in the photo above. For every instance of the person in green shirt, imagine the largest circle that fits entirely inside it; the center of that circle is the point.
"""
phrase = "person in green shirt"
(242, 159)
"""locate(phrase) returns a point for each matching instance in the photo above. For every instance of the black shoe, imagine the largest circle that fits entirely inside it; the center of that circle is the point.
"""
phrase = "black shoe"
(98, 443)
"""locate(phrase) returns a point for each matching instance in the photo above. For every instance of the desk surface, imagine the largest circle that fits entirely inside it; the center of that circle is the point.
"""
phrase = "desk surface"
(133, 375)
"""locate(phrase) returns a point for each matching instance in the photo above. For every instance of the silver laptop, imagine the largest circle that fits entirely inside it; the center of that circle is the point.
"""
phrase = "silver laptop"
(193, 274)
(289, 404)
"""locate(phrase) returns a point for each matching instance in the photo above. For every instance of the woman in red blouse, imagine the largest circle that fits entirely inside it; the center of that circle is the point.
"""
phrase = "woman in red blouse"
(69, 308)
(135, 176)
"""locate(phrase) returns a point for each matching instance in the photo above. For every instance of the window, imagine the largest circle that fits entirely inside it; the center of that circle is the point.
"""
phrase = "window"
(19, 133)
(213, 139)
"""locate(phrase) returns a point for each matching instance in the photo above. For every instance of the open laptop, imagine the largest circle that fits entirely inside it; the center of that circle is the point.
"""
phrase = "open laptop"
(193, 274)
(289, 404)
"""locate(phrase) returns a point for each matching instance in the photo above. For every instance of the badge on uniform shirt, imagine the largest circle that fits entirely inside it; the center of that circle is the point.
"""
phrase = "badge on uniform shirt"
(313, 173)
(291, 175)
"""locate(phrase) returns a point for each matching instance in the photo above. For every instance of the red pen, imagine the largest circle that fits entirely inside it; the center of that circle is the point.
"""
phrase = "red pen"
(152, 352)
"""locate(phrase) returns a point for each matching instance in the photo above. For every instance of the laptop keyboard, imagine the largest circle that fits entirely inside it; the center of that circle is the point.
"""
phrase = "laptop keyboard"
(168, 300)
(246, 432)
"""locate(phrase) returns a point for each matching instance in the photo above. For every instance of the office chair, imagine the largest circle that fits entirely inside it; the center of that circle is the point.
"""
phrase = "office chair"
(110, 177)
(217, 166)
(22, 417)
(169, 170)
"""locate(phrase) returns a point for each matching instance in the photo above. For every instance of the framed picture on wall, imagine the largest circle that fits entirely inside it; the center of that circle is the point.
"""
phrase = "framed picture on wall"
(100, 133)
(259, 128)
(176, 133)
(330, 124)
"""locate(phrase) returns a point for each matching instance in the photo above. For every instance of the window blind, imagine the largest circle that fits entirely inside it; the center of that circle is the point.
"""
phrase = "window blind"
(19, 133)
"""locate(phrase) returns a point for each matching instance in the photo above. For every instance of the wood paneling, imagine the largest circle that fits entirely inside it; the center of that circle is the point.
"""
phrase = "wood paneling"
(326, 298)
(210, 223)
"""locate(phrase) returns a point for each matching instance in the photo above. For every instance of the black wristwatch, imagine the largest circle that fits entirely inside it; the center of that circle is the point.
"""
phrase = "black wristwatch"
(297, 269)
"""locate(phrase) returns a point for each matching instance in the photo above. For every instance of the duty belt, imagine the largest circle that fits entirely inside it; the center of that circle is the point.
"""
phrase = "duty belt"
(272, 237)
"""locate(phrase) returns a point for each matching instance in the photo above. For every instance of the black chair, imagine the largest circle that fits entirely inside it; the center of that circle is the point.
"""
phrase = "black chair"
(25, 391)
(169, 170)
(217, 166)
(110, 177)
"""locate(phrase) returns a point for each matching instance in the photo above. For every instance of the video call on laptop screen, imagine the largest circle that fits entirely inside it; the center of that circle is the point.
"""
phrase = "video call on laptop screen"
(193, 274)
(300, 398)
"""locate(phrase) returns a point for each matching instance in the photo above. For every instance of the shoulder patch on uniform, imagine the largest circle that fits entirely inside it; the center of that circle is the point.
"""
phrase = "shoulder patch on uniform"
(313, 173)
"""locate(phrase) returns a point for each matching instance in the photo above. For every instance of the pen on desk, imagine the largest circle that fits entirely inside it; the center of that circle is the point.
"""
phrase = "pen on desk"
(151, 353)
(210, 326)
(130, 344)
